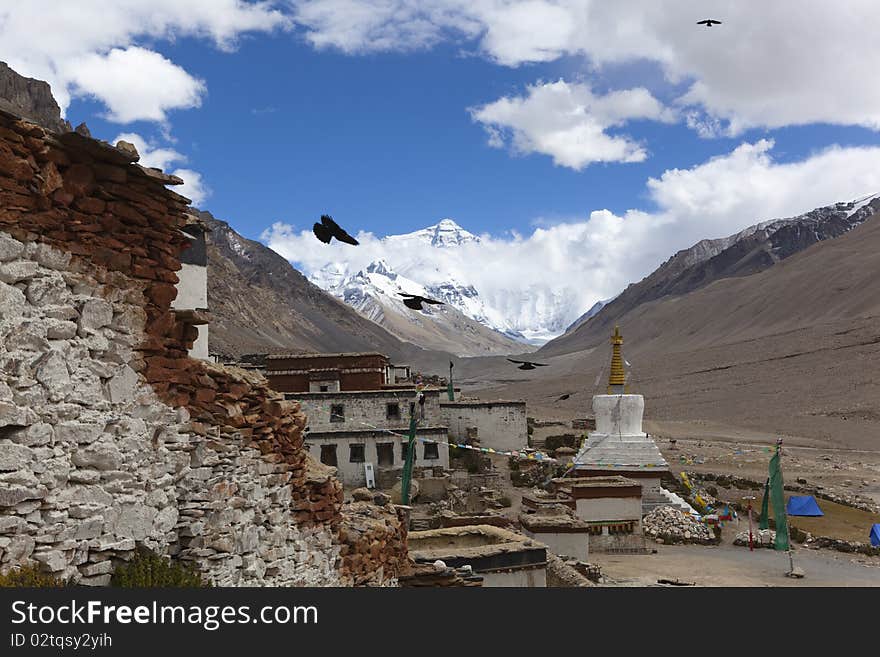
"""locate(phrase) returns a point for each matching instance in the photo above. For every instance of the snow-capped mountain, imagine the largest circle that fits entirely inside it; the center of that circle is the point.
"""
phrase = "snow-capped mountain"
(528, 313)
(375, 292)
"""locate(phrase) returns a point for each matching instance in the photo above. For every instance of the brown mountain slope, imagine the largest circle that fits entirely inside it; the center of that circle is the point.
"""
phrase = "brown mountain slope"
(259, 303)
(793, 350)
(748, 252)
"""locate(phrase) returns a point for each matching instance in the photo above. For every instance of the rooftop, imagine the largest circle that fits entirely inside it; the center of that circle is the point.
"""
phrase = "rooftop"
(455, 545)
(594, 482)
(319, 355)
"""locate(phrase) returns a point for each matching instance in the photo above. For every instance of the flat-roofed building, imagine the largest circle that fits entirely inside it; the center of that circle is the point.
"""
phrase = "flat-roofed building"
(499, 424)
(328, 372)
(502, 557)
(348, 429)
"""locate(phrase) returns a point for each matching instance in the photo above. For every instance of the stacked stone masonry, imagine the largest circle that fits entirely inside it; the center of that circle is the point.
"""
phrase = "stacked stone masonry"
(110, 436)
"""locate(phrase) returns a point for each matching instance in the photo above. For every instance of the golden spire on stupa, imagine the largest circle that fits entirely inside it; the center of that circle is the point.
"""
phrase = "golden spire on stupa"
(617, 377)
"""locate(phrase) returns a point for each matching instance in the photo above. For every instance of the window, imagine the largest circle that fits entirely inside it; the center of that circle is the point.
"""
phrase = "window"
(324, 388)
(392, 411)
(356, 453)
(432, 452)
(403, 451)
(328, 455)
(385, 453)
(337, 413)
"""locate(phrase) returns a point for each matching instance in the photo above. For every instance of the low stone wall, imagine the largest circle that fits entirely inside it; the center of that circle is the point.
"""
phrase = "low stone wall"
(110, 436)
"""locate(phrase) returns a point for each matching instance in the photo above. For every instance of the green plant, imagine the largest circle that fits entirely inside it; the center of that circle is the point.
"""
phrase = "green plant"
(149, 570)
(29, 576)
(505, 501)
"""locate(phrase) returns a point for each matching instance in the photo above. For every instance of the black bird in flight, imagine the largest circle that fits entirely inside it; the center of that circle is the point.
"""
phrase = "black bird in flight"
(415, 302)
(526, 365)
(564, 397)
(709, 22)
(328, 229)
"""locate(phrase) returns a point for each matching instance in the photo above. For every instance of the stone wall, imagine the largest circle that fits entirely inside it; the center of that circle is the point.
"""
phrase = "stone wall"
(110, 436)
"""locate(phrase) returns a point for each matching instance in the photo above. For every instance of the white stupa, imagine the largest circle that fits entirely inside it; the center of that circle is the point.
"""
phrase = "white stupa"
(618, 445)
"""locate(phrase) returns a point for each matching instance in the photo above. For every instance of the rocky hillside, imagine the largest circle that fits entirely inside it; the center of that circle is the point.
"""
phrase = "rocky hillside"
(792, 350)
(260, 303)
(30, 99)
(748, 252)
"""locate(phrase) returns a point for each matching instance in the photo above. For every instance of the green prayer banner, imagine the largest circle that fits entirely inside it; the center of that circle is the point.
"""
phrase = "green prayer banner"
(777, 499)
(408, 463)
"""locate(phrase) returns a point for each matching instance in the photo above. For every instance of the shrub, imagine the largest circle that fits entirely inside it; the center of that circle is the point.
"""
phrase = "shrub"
(505, 501)
(149, 570)
(29, 576)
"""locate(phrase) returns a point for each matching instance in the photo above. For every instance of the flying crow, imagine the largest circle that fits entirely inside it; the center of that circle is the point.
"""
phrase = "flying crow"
(564, 397)
(415, 302)
(526, 365)
(328, 229)
(709, 22)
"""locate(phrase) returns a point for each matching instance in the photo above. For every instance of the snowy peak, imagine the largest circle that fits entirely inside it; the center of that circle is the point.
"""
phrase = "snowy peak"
(381, 268)
(444, 234)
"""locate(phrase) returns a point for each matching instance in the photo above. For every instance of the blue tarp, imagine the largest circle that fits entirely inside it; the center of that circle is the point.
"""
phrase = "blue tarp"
(875, 535)
(803, 505)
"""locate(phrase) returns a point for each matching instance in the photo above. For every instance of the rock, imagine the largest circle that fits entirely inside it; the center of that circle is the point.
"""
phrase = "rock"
(14, 272)
(95, 314)
(58, 329)
(19, 549)
(83, 129)
(46, 291)
(99, 580)
(129, 148)
(14, 457)
(12, 300)
(53, 560)
(99, 456)
(10, 248)
(52, 372)
(78, 433)
(51, 258)
(362, 495)
(121, 388)
(11, 495)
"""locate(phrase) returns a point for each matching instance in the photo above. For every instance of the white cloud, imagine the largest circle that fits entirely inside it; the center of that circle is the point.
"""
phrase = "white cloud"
(569, 122)
(595, 257)
(97, 48)
(194, 187)
(126, 82)
(769, 64)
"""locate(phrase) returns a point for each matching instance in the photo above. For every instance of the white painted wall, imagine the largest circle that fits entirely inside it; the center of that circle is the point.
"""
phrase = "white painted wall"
(619, 414)
(531, 578)
(609, 508)
(366, 410)
(499, 426)
(200, 346)
(569, 544)
(192, 288)
(352, 474)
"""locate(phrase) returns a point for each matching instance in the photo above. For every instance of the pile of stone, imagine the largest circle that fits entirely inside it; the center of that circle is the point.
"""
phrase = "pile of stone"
(373, 537)
(760, 538)
(667, 524)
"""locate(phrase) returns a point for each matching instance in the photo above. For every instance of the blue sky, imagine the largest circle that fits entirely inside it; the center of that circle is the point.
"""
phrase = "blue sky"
(606, 136)
(384, 142)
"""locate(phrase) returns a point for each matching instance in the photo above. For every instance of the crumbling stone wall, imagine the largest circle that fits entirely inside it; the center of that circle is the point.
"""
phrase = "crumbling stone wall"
(105, 419)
